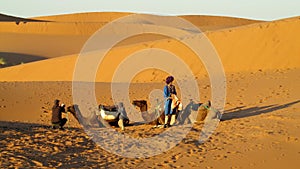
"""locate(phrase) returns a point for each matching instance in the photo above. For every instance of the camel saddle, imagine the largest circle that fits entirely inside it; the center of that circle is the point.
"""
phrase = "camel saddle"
(113, 108)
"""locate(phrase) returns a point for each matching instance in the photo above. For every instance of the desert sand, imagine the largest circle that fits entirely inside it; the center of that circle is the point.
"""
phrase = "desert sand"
(259, 127)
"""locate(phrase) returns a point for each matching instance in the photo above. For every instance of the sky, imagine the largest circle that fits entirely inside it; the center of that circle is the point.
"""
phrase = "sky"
(252, 9)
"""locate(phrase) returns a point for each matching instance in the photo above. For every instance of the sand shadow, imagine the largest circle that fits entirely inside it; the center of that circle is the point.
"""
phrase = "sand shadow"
(8, 18)
(242, 112)
(13, 59)
(36, 145)
(28, 127)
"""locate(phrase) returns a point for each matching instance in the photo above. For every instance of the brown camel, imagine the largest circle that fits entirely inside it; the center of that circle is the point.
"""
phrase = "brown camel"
(154, 118)
(182, 117)
(87, 122)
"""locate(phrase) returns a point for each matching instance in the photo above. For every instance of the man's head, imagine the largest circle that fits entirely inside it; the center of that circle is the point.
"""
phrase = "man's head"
(169, 79)
(56, 102)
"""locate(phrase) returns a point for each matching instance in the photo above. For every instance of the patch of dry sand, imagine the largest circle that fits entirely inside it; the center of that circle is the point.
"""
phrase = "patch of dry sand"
(259, 128)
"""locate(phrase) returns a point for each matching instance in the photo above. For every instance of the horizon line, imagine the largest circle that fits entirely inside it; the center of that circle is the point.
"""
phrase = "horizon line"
(150, 13)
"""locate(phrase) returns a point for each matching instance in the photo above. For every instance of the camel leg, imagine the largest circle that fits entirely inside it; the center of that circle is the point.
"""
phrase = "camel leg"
(121, 124)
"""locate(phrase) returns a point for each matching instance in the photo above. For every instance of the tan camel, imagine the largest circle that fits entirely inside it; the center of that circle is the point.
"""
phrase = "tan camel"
(155, 118)
(108, 114)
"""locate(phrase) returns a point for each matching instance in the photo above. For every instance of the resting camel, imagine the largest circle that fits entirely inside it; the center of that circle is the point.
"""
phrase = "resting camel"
(154, 118)
(183, 117)
(85, 121)
(205, 112)
(114, 115)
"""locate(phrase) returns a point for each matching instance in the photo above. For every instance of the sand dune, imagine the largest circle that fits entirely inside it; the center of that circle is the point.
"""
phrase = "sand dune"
(17, 20)
(36, 38)
(211, 23)
(205, 22)
(60, 69)
(261, 46)
(41, 45)
(51, 28)
(66, 34)
(84, 17)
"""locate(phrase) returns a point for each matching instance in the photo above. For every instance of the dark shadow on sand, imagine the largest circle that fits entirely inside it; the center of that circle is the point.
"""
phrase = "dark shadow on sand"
(13, 59)
(242, 112)
(8, 18)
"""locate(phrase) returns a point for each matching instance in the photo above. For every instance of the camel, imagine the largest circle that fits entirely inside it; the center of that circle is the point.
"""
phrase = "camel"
(154, 118)
(203, 111)
(108, 113)
(91, 121)
(158, 116)
(114, 114)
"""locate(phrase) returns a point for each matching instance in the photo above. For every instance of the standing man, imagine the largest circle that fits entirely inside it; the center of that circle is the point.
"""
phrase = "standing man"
(57, 119)
(169, 90)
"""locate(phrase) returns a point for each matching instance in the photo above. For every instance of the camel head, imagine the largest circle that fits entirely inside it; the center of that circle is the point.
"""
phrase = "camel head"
(142, 104)
(71, 109)
(203, 110)
(149, 117)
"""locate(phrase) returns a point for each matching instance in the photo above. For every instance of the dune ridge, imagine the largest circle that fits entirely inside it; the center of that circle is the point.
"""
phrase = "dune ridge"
(267, 45)
(84, 17)
(8, 18)
(199, 20)
(212, 23)
(66, 34)
(51, 28)
(264, 46)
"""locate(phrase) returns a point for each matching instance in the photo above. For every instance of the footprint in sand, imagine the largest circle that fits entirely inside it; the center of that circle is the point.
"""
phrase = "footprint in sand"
(292, 139)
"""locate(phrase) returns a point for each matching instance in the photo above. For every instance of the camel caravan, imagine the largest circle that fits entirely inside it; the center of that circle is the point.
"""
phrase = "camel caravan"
(171, 114)
(116, 115)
